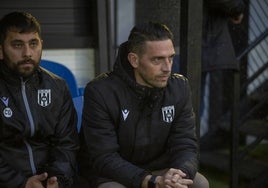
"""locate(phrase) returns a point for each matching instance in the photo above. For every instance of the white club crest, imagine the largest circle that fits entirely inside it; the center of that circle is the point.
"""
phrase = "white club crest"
(168, 113)
(44, 97)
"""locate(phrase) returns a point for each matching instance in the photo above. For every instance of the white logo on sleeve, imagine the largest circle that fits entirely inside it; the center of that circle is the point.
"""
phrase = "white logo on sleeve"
(125, 114)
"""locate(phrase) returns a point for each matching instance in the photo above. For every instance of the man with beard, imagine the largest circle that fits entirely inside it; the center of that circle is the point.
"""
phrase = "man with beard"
(38, 136)
(138, 127)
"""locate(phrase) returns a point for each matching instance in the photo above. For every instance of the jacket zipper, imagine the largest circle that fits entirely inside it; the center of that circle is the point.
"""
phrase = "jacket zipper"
(32, 129)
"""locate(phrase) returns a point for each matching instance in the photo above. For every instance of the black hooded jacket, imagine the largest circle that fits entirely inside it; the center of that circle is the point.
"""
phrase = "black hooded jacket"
(37, 128)
(129, 130)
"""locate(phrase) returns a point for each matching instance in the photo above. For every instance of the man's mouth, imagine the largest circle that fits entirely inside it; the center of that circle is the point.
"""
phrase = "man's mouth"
(26, 62)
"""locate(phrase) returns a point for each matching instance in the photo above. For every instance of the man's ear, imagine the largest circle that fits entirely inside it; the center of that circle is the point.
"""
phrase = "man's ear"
(133, 59)
(1, 52)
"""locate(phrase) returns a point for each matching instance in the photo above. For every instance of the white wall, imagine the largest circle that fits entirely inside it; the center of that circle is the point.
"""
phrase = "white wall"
(79, 61)
(125, 19)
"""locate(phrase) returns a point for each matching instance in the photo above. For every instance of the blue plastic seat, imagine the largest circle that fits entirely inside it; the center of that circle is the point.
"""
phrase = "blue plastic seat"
(68, 76)
(64, 72)
(78, 104)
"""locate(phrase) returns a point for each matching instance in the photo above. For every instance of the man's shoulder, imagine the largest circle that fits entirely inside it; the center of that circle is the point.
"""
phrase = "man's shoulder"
(101, 76)
(103, 81)
(175, 77)
(178, 82)
(104, 78)
(47, 73)
(50, 77)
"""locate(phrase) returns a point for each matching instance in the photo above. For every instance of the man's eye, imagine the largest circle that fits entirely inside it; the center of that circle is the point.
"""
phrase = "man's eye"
(33, 44)
(17, 45)
(157, 60)
(171, 59)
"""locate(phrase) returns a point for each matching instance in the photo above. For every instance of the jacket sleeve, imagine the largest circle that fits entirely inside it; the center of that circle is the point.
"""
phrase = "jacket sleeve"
(99, 135)
(9, 177)
(182, 144)
(64, 145)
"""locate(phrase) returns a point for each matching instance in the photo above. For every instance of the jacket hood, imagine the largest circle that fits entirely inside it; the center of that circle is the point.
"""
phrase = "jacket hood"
(123, 69)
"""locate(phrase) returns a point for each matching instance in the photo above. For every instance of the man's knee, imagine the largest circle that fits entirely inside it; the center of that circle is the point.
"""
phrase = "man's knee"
(200, 181)
(111, 185)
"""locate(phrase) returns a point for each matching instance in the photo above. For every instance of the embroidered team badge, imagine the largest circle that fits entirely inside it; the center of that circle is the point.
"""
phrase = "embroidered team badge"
(168, 113)
(44, 97)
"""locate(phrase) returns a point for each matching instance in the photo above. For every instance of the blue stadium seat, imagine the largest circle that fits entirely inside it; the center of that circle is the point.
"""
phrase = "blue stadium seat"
(66, 74)
(62, 71)
(78, 104)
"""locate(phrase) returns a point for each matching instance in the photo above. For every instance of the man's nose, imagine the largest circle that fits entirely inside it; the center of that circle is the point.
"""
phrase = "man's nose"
(27, 51)
(167, 64)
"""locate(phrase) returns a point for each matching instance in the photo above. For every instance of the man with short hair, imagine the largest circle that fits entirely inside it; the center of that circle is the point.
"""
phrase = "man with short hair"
(38, 135)
(138, 127)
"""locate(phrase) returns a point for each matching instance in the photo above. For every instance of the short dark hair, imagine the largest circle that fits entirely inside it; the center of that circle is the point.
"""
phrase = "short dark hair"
(22, 22)
(150, 31)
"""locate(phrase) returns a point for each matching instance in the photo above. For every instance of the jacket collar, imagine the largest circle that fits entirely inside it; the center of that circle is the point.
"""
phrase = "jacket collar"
(13, 79)
(124, 70)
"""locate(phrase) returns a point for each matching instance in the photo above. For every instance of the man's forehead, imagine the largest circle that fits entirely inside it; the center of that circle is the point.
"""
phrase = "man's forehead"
(16, 35)
(161, 45)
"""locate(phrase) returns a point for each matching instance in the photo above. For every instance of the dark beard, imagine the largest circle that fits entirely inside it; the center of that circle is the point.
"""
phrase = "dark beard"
(16, 68)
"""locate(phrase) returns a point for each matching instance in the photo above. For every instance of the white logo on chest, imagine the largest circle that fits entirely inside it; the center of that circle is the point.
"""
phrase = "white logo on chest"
(44, 97)
(168, 113)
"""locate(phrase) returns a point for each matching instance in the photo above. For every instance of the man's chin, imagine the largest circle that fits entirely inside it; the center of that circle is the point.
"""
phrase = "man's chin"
(26, 72)
(161, 85)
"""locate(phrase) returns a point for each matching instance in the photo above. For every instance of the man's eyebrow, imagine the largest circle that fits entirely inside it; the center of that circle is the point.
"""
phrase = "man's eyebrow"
(16, 40)
(161, 56)
(34, 40)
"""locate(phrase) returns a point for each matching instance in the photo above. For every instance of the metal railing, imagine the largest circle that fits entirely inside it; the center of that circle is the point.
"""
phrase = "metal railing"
(256, 54)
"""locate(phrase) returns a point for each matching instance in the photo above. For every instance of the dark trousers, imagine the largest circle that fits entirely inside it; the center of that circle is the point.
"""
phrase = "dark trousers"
(80, 182)
(220, 97)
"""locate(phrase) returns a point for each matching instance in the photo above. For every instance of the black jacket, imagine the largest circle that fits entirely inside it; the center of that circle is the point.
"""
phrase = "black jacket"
(37, 128)
(129, 130)
(217, 48)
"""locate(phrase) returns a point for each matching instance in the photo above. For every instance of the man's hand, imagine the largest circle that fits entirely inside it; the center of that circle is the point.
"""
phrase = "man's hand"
(52, 182)
(36, 181)
(237, 19)
(175, 178)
